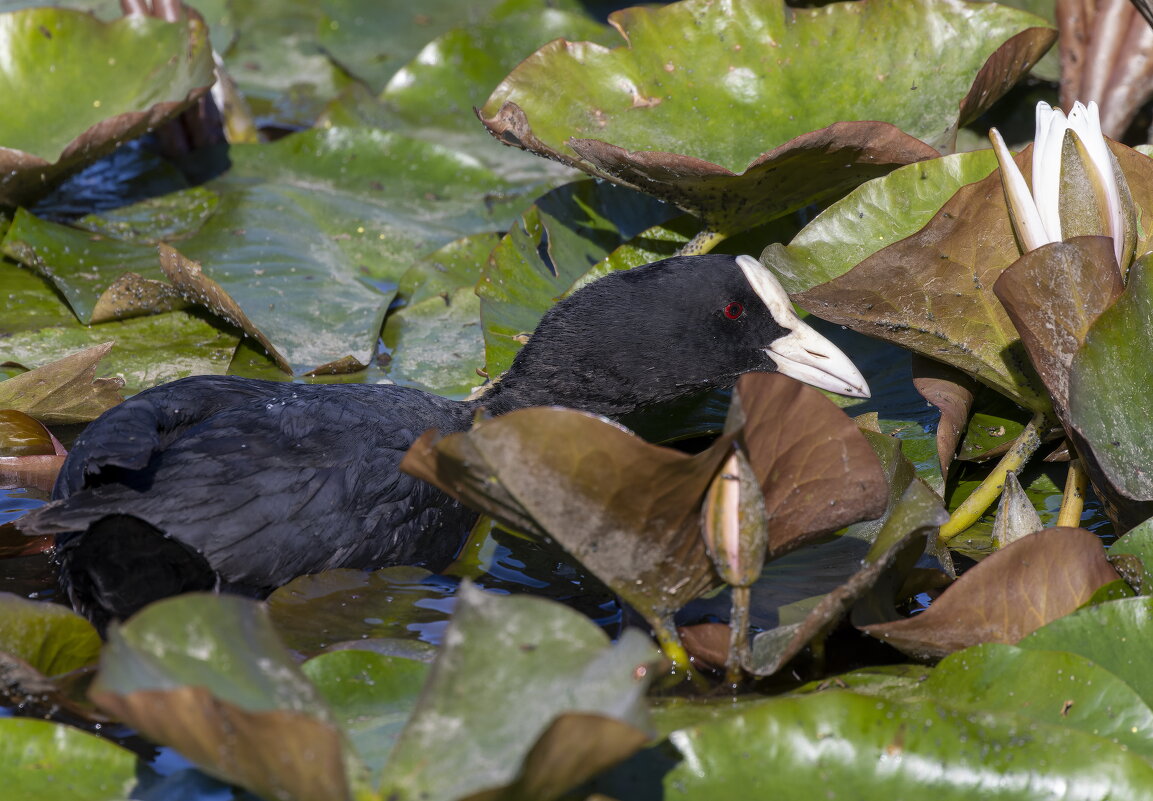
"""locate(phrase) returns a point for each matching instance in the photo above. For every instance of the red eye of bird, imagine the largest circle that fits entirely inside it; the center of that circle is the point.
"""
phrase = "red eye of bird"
(734, 310)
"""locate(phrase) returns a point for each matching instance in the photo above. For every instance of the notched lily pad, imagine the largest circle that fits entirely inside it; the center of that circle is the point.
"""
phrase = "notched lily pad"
(109, 82)
(64, 391)
(1035, 580)
(685, 109)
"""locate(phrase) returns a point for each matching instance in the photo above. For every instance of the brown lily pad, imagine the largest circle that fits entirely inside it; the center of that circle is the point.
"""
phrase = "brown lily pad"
(952, 392)
(805, 451)
(1014, 591)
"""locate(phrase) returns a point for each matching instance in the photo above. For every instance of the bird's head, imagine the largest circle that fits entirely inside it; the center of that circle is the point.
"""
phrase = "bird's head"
(668, 329)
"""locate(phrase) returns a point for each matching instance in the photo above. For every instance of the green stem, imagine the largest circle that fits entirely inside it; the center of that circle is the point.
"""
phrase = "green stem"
(738, 636)
(971, 509)
(1073, 501)
(702, 243)
(675, 651)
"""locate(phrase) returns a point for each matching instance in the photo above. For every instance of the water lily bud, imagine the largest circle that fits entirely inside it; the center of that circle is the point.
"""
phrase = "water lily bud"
(734, 522)
(1078, 187)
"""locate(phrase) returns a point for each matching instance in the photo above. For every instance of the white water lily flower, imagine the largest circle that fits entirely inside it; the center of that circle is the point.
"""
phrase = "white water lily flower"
(1037, 216)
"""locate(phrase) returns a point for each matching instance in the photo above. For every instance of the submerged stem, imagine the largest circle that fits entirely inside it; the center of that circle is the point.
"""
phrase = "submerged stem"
(971, 509)
(738, 636)
(704, 242)
(1073, 501)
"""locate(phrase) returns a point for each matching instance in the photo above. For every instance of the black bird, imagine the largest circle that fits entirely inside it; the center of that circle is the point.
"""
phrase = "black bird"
(216, 482)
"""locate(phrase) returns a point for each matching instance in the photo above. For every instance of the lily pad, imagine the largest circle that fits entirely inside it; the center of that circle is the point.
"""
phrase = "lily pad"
(547, 660)
(51, 762)
(628, 510)
(372, 695)
(437, 344)
(109, 82)
(1054, 295)
(102, 279)
(207, 675)
(1112, 634)
(1107, 389)
(960, 252)
(952, 392)
(878, 748)
(64, 391)
(659, 113)
(148, 351)
(29, 301)
(999, 600)
(48, 637)
(1051, 687)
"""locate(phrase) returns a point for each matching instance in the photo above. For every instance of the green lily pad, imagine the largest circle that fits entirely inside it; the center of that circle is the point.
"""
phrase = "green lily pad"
(455, 72)
(148, 350)
(1051, 687)
(160, 219)
(109, 82)
(688, 108)
(1107, 388)
(372, 695)
(1114, 635)
(1136, 544)
(552, 245)
(64, 391)
(998, 601)
(870, 747)
(457, 265)
(28, 301)
(437, 344)
(548, 661)
(102, 279)
(51, 762)
(372, 43)
(48, 637)
(207, 675)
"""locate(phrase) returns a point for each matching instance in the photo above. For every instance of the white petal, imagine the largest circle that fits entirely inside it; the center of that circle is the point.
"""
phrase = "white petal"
(1022, 209)
(1047, 174)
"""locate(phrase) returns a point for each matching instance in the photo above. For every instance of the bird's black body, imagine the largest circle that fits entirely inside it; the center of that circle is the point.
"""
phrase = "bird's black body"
(241, 484)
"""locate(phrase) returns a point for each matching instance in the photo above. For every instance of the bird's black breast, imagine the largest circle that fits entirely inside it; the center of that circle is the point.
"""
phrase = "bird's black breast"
(267, 481)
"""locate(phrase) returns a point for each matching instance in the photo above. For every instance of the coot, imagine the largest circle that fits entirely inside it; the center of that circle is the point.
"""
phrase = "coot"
(218, 482)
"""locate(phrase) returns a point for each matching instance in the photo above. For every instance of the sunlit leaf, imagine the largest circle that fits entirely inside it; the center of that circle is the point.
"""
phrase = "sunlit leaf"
(1014, 591)
(206, 674)
(64, 391)
(437, 344)
(687, 110)
(1113, 635)
(29, 301)
(873, 747)
(108, 83)
(545, 660)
